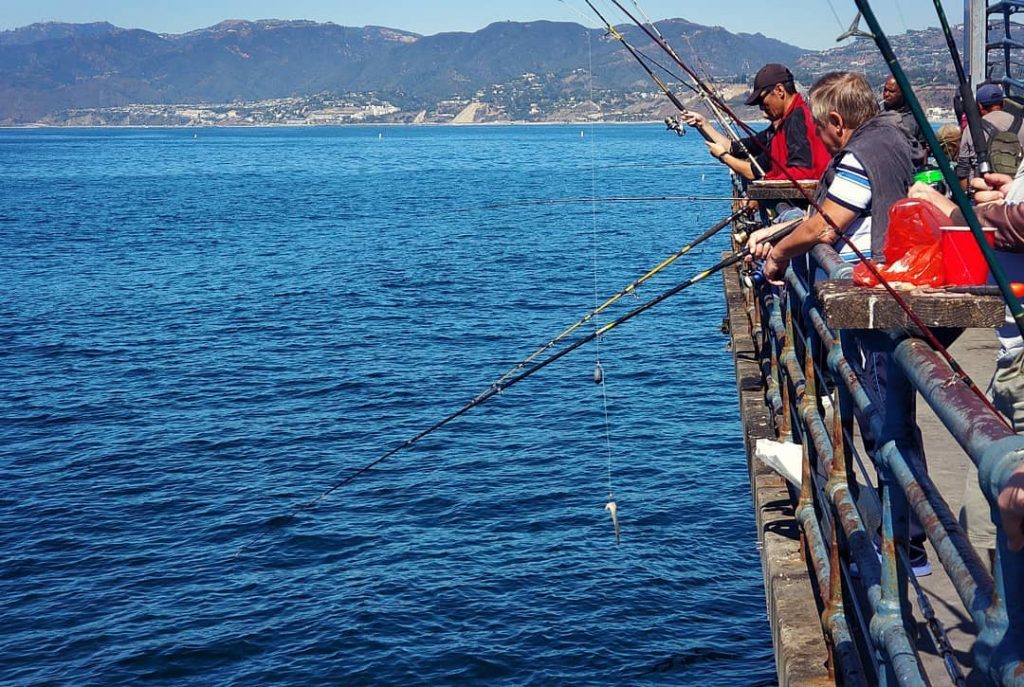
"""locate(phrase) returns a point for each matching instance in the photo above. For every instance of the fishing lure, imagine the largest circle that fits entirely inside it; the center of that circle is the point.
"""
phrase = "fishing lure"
(613, 508)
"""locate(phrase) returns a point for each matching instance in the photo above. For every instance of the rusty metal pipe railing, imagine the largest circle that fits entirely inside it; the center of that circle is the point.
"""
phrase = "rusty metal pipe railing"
(844, 656)
(828, 260)
(796, 332)
(887, 626)
(957, 555)
(997, 452)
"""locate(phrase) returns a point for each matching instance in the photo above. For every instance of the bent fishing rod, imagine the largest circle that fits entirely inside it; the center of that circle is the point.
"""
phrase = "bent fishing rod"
(952, 182)
(925, 330)
(508, 381)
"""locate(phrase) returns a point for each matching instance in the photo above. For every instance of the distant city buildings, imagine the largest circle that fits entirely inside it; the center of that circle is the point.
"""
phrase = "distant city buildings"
(527, 98)
(315, 110)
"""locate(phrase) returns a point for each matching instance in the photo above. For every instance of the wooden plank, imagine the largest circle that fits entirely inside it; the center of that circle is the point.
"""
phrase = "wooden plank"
(801, 655)
(846, 306)
(779, 190)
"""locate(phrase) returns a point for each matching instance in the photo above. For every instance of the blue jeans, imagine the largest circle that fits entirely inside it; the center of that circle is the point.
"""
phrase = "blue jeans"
(869, 353)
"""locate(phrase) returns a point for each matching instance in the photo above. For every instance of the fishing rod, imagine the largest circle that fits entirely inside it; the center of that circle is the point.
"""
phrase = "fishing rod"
(959, 195)
(507, 381)
(673, 123)
(614, 33)
(966, 91)
(925, 330)
(640, 52)
(714, 110)
(607, 199)
(631, 288)
(719, 116)
(708, 92)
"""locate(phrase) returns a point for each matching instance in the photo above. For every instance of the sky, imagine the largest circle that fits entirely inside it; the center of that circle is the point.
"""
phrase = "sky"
(806, 23)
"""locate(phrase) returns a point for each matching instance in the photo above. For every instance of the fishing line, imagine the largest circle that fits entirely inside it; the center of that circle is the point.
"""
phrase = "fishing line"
(899, 13)
(586, 17)
(630, 289)
(659, 65)
(607, 199)
(700, 62)
(678, 79)
(675, 77)
(508, 382)
(659, 165)
(709, 97)
(715, 112)
(612, 31)
(707, 72)
(696, 55)
(835, 14)
(599, 376)
(926, 331)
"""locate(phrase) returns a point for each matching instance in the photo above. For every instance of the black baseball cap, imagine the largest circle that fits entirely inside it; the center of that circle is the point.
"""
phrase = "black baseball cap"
(767, 77)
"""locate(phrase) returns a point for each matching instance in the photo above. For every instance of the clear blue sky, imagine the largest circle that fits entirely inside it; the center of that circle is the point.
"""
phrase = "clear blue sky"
(807, 23)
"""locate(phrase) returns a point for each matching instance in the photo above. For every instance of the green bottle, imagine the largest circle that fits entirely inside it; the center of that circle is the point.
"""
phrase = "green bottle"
(933, 177)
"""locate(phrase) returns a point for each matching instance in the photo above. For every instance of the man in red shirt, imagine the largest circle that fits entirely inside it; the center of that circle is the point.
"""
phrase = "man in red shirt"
(790, 142)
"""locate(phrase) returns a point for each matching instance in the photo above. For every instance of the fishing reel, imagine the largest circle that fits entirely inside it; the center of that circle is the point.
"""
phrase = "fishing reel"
(673, 124)
(754, 278)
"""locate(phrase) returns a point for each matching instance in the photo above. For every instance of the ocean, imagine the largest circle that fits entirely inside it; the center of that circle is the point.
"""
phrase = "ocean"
(203, 330)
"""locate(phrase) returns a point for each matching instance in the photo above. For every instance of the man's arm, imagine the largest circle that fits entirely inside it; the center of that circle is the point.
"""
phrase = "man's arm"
(701, 124)
(741, 167)
(724, 155)
(809, 234)
(813, 231)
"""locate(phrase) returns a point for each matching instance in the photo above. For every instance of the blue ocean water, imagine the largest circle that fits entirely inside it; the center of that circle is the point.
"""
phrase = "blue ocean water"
(202, 330)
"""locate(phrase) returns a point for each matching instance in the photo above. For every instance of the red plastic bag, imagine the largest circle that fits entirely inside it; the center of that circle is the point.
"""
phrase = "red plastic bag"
(913, 246)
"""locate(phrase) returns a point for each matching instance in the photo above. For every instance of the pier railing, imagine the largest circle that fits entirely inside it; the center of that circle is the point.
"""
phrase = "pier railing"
(855, 536)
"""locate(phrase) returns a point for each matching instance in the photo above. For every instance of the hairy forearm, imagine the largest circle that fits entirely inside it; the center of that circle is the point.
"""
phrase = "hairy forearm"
(809, 234)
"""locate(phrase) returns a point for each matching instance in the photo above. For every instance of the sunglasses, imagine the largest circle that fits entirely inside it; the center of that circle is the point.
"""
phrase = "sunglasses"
(764, 94)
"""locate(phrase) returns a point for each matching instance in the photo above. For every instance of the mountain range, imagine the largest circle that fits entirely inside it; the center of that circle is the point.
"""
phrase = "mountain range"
(513, 70)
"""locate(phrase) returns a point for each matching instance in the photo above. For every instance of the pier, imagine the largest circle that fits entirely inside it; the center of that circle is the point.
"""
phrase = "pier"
(831, 625)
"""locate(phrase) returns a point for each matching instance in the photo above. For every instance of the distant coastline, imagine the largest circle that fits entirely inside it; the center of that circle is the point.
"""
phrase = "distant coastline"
(943, 118)
(390, 125)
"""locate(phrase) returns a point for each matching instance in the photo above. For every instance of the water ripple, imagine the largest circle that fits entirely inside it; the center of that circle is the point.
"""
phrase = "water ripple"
(201, 335)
